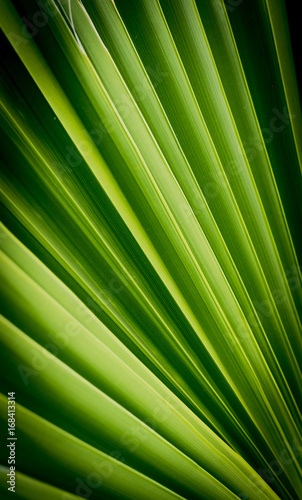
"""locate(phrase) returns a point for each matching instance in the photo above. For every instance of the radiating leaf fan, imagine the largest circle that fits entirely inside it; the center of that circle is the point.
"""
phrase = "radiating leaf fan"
(151, 218)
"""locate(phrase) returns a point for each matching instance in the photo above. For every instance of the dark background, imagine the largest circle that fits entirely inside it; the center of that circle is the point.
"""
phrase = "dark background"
(294, 15)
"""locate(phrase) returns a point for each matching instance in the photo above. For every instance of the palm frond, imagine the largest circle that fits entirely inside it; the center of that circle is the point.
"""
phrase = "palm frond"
(151, 288)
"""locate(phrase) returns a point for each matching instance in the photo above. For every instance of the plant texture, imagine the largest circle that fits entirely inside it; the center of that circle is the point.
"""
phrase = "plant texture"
(150, 283)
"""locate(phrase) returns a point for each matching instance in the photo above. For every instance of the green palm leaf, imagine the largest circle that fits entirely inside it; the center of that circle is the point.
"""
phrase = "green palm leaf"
(151, 288)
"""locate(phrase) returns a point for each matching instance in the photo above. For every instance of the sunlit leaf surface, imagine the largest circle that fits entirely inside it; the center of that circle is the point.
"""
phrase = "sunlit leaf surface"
(150, 242)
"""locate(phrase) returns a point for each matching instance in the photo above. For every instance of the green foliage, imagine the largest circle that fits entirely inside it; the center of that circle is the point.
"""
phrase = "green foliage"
(150, 283)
